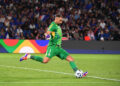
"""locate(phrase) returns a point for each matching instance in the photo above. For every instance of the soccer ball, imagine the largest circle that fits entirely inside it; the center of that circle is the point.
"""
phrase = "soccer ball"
(79, 74)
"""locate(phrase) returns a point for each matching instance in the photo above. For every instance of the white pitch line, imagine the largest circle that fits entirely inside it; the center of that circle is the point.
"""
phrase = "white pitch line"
(39, 70)
(53, 82)
(103, 78)
(35, 69)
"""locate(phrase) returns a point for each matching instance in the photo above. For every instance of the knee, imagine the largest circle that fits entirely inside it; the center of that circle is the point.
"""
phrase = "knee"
(69, 58)
(45, 62)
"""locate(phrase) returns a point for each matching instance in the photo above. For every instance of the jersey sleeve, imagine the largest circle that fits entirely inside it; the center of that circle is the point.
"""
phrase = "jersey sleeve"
(52, 28)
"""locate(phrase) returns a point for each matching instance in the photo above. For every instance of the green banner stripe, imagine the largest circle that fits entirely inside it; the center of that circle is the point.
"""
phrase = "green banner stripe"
(10, 49)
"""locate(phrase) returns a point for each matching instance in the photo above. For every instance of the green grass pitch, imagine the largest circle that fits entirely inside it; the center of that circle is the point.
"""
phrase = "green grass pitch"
(32, 73)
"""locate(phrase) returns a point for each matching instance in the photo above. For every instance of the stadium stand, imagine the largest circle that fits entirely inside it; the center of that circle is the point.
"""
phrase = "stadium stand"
(29, 19)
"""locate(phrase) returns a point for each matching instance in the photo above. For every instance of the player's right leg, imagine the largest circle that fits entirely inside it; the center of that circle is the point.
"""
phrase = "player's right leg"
(37, 58)
(40, 59)
(49, 54)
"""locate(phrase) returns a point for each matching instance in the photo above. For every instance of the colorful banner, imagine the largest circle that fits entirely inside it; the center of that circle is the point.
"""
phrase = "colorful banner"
(23, 46)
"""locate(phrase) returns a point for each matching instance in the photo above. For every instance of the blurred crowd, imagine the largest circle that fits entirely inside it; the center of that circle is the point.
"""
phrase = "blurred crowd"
(83, 19)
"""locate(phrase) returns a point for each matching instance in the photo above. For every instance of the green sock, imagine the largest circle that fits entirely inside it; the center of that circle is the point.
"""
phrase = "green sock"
(73, 65)
(37, 58)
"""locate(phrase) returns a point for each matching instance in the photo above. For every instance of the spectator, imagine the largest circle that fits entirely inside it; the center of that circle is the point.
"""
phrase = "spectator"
(2, 18)
(17, 36)
(101, 35)
(102, 24)
(32, 27)
(34, 16)
(86, 38)
(19, 30)
(76, 34)
(107, 35)
(2, 34)
(7, 23)
(91, 35)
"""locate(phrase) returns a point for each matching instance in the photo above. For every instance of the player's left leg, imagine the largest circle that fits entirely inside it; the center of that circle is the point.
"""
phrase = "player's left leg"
(62, 54)
(65, 55)
(72, 63)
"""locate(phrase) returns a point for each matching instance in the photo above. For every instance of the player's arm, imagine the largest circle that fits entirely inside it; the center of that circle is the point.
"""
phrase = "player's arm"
(50, 30)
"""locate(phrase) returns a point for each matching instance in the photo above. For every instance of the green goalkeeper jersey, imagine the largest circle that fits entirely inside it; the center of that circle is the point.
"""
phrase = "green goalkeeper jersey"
(56, 34)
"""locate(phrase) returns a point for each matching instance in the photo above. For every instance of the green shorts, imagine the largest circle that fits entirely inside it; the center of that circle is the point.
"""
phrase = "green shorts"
(56, 51)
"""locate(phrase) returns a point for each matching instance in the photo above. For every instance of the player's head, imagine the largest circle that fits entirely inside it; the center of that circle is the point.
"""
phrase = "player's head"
(58, 19)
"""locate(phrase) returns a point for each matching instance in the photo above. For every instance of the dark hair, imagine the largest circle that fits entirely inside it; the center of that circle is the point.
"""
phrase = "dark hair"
(58, 15)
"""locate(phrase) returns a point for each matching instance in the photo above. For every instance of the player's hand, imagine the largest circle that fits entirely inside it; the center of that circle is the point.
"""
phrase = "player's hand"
(47, 36)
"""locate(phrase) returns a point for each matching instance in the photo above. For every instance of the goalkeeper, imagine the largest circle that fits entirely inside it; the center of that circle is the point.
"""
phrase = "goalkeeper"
(54, 47)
